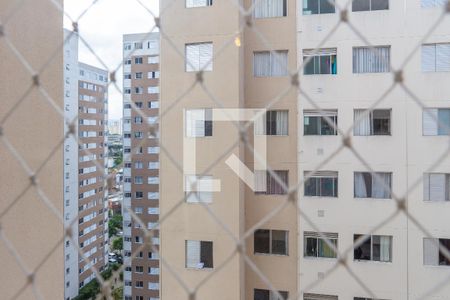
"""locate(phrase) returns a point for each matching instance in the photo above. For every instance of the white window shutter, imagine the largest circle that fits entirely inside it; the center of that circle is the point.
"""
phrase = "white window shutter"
(443, 57)
(260, 125)
(429, 58)
(205, 188)
(261, 64)
(192, 58)
(260, 180)
(429, 122)
(430, 252)
(205, 56)
(362, 122)
(278, 63)
(195, 123)
(437, 187)
(192, 254)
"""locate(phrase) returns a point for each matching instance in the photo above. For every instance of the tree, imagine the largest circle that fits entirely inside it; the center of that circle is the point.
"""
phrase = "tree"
(117, 244)
(115, 224)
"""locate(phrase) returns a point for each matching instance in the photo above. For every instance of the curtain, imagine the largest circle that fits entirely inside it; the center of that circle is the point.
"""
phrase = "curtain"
(443, 58)
(429, 122)
(205, 56)
(192, 254)
(261, 64)
(426, 187)
(279, 63)
(325, 250)
(429, 58)
(381, 185)
(362, 122)
(437, 187)
(444, 121)
(371, 60)
(192, 57)
(273, 187)
(282, 122)
(360, 186)
(385, 248)
(430, 251)
(268, 8)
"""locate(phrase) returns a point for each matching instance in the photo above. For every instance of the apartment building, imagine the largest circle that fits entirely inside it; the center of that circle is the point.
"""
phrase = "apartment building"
(398, 138)
(141, 164)
(85, 195)
(201, 65)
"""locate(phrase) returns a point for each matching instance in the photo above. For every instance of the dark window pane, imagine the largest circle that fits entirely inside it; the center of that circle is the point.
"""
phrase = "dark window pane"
(262, 241)
(311, 247)
(443, 260)
(308, 68)
(326, 7)
(261, 294)
(312, 187)
(284, 8)
(273, 185)
(325, 65)
(284, 295)
(316, 64)
(206, 254)
(376, 248)
(311, 125)
(328, 187)
(381, 122)
(379, 4)
(362, 252)
(311, 7)
(279, 242)
(333, 64)
(326, 128)
(360, 5)
(271, 123)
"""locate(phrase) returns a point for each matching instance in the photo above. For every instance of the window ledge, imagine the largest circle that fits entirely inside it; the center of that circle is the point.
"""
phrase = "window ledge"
(371, 261)
(270, 254)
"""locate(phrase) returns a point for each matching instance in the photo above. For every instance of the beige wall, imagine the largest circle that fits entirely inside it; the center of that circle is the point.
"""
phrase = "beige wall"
(34, 129)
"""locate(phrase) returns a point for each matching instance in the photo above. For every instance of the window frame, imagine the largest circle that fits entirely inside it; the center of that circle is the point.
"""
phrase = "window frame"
(371, 238)
(271, 242)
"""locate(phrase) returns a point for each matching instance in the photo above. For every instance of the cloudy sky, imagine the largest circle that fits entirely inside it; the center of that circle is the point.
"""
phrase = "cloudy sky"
(102, 27)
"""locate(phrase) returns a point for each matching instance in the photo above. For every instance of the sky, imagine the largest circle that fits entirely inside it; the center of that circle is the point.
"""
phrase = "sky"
(102, 27)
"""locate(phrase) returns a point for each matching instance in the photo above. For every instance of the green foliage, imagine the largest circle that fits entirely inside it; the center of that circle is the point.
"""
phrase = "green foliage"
(118, 293)
(115, 224)
(90, 290)
(117, 244)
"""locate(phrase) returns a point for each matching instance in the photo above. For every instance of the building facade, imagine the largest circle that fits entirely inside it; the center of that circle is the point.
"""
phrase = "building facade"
(397, 137)
(85, 192)
(200, 66)
(141, 164)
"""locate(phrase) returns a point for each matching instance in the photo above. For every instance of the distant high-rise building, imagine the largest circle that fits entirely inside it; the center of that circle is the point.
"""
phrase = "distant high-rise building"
(141, 163)
(115, 127)
(85, 195)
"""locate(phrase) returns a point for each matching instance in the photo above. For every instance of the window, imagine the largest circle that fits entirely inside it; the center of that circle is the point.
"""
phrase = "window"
(153, 90)
(321, 61)
(436, 121)
(436, 187)
(138, 60)
(366, 5)
(153, 60)
(269, 8)
(153, 104)
(371, 60)
(138, 75)
(138, 120)
(432, 255)
(367, 185)
(309, 296)
(273, 122)
(373, 247)
(322, 184)
(265, 183)
(138, 90)
(260, 294)
(139, 269)
(315, 7)
(436, 57)
(152, 44)
(432, 3)
(138, 45)
(153, 180)
(127, 76)
(139, 195)
(375, 122)
(153, 75)
(139, 284)
(321, 122)
(198, 122)
(270, 242)
(198, 3)
(363, 298)
(138, 180)
(198, 188)
(153, 165)
(199, 254)
(127, 62)
(316, 246)
(199, 56)
(270, 64)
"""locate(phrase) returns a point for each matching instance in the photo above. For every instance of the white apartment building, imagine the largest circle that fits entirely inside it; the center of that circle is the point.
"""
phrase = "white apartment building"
(85, 204)
(399, 139)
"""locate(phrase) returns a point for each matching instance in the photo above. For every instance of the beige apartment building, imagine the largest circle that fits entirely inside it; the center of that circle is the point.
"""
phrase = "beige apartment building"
(141, 164)
(237, 69)
(85, 192)
(400, 139)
